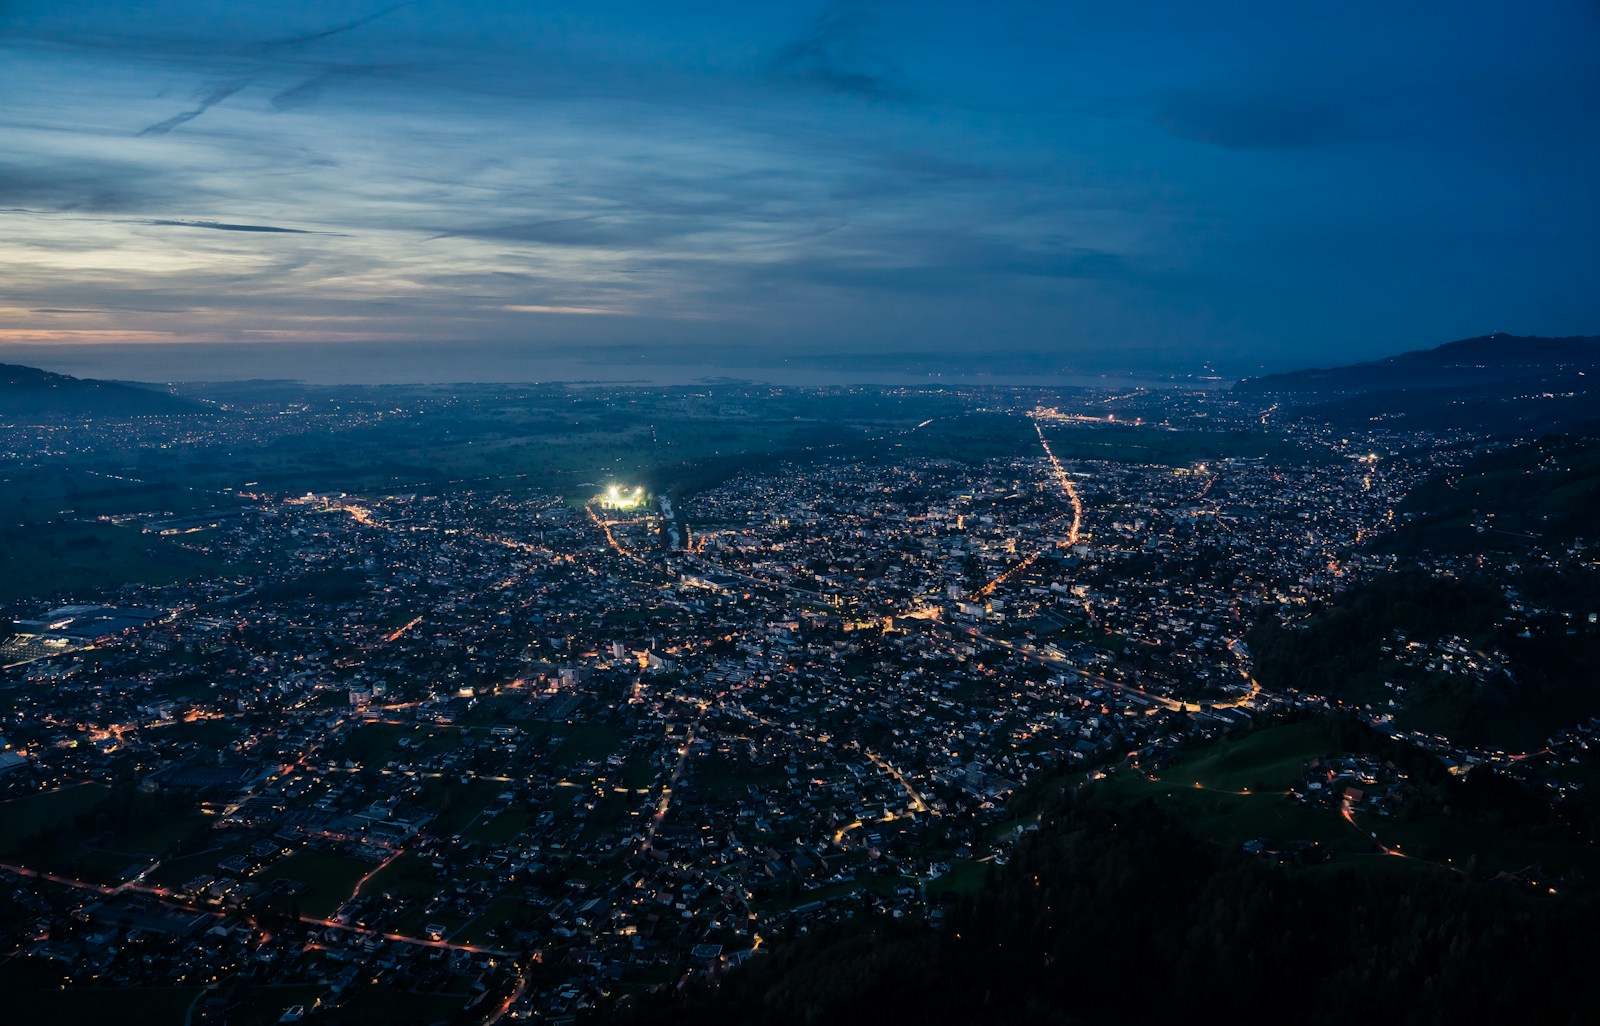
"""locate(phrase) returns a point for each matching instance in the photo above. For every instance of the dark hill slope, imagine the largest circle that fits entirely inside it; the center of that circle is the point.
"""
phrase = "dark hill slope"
(29, 392)
(1494, 385)
(1488, 360)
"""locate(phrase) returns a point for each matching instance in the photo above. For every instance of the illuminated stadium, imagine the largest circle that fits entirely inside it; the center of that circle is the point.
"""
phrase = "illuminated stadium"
(622, 497)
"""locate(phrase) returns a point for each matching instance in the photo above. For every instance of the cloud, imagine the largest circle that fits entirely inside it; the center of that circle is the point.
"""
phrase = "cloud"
(828, 56)
(211, 99)
(600, 232)
(108, 309)
(310, 90)
(540, 308)
(296, 42)
(91, 184)
(304, 94)
(933, 263)
(221, 227)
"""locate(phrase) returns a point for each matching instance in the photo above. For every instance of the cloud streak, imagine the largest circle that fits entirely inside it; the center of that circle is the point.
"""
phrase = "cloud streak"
(830, 56)
(223, 227)
(209, 100)
(306, 39)
(539, 308)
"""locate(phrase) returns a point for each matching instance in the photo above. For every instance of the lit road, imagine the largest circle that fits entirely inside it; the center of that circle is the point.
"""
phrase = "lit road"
(1255, 685)
(611, 539)
(1070, 490)
(400, 938)
(665, 801)
(838, 835)
(380, 867)
(1349, 816)
(1005, 575)
(400, 632)
(916, 799)
(511, 999)
(167, 899)
(1060, 662)
(1065, 481)
(988, 589)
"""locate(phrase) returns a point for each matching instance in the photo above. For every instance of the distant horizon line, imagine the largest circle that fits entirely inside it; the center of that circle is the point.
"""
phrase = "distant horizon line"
(390, 362)
(418, 363)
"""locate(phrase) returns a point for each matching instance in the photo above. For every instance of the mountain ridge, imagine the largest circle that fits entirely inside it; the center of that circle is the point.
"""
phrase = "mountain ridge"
(31, 392)
(1480, 360)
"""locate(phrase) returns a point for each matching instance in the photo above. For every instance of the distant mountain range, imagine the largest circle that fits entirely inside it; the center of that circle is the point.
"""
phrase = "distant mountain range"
(1485, 360)
(29, 392)
(1496, 382)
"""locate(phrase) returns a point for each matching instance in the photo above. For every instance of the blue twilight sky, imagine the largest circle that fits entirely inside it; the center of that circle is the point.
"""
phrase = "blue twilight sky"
(1073, 184)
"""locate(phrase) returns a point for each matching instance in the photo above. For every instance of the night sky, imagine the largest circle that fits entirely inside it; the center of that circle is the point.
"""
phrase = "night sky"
(492, 185)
